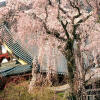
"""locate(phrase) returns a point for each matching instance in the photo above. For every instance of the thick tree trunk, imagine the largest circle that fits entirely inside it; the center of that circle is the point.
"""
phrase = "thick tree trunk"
(34, 76)
(71, 67)
(80, 73)
(32, 83)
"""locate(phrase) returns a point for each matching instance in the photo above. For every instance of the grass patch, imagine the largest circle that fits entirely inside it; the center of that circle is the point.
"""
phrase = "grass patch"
(20, 92)
(60, 94)
(15, 92)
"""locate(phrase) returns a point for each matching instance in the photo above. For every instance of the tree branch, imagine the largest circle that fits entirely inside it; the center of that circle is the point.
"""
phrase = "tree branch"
(83, 20)
(75, 26)
(54, 33)
(77, 8)
(64, 26)
(61, 9)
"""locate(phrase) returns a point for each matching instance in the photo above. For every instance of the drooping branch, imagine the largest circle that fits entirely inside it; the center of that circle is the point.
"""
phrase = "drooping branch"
(54, 33)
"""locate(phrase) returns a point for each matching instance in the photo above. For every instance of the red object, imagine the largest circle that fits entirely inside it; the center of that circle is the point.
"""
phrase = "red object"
(2, 56)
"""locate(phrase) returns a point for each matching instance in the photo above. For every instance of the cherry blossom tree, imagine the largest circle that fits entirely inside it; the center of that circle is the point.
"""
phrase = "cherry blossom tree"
(58, 21)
